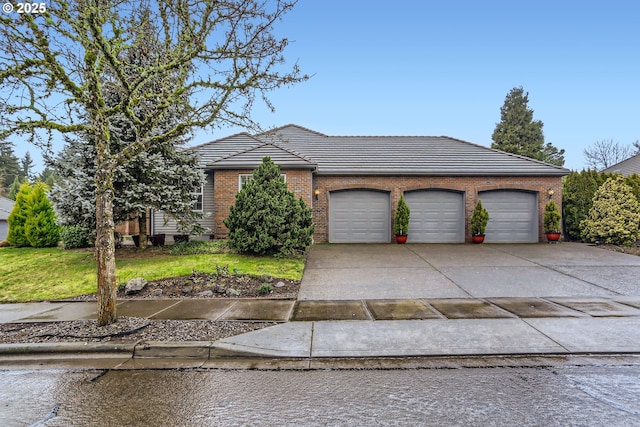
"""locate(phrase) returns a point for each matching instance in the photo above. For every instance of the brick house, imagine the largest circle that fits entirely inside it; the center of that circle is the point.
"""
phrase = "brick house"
(353, 183)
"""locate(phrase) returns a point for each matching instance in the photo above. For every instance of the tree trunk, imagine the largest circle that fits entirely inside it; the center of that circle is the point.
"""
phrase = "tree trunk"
(105, 255)
(142, 226)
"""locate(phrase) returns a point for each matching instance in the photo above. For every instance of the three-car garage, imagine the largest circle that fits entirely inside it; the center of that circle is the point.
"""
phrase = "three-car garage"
(437, 216)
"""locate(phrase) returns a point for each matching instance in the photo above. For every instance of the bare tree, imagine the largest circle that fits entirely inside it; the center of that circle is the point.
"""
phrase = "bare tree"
(61, 64)
(607, 152)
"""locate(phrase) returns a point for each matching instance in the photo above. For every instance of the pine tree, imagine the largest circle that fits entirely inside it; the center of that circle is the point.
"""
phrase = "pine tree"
(267, 218)
(9, 165)
(26, 166)
(518, 133)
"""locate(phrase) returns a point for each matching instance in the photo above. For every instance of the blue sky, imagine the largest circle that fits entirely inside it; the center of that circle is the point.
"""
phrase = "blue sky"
(411, 67)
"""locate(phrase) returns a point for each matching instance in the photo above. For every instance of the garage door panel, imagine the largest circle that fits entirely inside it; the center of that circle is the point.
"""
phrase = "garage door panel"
(436, 216)
(359, 216)
(513, 216)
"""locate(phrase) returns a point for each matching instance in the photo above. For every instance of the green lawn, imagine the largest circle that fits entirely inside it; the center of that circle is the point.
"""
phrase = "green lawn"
(28, 274)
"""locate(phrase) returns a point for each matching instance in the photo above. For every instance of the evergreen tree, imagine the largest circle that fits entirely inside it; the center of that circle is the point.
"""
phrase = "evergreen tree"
(26, 166)
(18, 218)
(40, 228)
(614, 217)
(48, 176)
(14, 188)
(267, 218)
(518, 133)
(9, 165)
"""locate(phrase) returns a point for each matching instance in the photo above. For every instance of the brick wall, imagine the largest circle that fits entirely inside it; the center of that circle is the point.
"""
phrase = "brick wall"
(225, 188)
(396, 185)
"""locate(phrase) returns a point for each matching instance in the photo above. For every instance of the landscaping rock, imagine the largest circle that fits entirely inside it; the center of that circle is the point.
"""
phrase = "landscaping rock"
(206, 294)
(156, 293)
(134, 286)
(187, 289)
(266, 278)
(232, 293)
(219, 289)
(279, 284)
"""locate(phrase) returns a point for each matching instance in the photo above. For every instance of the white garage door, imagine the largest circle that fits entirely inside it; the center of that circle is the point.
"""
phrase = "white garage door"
(513, 216)
(436, 216)
(359, 216)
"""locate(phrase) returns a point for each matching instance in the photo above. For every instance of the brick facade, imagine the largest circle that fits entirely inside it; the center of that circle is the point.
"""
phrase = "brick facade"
(315, 190)
(226, 184)
(397, 185)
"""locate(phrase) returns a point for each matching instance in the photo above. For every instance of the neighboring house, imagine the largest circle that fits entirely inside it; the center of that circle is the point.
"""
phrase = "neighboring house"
(353, 183)
(626, 167)
(6, 206)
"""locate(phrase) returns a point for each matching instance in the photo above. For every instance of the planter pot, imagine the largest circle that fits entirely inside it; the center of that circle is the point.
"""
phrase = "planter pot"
(158, 239)
(136, 240)
(177, 238)
(477, 238)
(553, 236)
(401, 238)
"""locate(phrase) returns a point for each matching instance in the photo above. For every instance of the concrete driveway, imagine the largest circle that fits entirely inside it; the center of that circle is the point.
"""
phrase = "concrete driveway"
(414, 271)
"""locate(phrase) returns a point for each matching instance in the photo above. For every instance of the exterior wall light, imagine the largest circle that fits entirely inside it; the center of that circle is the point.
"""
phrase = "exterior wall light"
(550, 193)
(317, 192)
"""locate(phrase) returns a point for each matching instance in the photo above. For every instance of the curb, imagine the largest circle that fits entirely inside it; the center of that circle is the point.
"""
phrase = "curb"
(205, 355)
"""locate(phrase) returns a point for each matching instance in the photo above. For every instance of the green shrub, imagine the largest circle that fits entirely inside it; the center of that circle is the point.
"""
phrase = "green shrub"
(267, 218)
(552, 218)
(40, 228)
(32, 221)
(614, 217)
(18, 217)
(479, 219)
(265, 288)
(201, 247)
(401, 220)
(577, 197)
(74, 236)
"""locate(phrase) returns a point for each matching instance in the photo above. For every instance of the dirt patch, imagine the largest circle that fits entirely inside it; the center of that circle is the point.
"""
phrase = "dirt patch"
(632, 250)
(220, 284)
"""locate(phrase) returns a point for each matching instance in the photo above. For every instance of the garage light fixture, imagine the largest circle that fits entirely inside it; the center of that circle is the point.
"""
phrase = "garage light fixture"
(317, 192)
(550, 193)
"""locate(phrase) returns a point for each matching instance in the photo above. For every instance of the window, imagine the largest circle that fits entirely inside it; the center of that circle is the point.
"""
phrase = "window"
(243, 178)
(198, 200)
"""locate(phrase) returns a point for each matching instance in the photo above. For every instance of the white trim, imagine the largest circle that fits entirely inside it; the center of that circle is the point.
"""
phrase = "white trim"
(201, 196)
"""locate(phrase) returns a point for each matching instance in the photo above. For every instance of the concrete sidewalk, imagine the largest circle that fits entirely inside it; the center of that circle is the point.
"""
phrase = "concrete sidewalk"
(322, 334)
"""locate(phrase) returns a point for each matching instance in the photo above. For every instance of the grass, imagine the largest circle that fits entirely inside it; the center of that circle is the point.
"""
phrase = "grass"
(28, 274)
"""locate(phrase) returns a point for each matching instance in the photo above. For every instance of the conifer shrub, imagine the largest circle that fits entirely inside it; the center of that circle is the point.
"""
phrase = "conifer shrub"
(18, 217)
(266, 218)
(32, 221)
(74, 236)
(40, 227)
(614, 217)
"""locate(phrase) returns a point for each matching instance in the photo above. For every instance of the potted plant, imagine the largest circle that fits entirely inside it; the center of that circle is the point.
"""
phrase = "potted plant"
(401, 221)
(552, 219)
(479, 220)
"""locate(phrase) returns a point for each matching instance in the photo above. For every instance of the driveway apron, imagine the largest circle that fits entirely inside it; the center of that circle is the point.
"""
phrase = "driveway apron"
(431, 271)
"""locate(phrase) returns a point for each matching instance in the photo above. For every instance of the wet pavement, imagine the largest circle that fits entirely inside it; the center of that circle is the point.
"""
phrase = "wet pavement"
(506, 396)
(306, 311)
